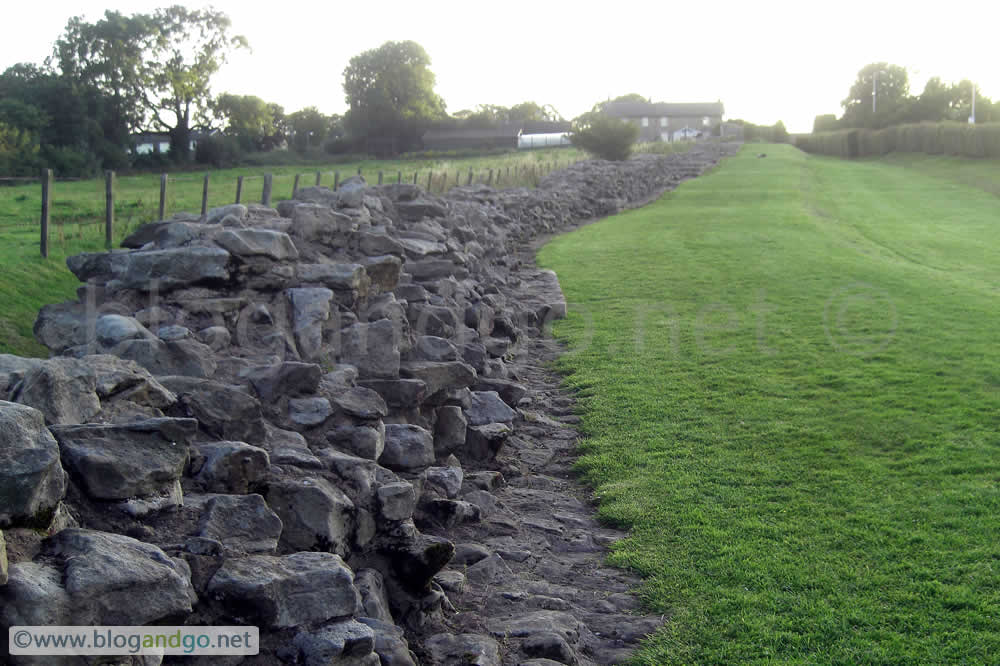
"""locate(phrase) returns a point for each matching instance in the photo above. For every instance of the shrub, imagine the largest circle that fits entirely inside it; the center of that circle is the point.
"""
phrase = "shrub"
(219, 151)
(604, 137)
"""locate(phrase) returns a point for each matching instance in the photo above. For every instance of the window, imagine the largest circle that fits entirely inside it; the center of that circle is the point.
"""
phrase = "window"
(705, 120)
(663, 122)
(645, 122)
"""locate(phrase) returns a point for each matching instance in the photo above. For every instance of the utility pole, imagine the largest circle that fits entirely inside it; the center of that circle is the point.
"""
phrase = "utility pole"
(874, 92)
(972, 118)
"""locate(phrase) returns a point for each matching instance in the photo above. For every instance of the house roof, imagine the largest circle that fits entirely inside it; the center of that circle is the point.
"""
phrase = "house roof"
(545, 127)
(505, 131)
(645, 109)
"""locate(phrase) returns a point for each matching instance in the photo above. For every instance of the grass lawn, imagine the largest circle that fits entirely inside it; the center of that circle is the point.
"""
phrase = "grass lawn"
(790, 387)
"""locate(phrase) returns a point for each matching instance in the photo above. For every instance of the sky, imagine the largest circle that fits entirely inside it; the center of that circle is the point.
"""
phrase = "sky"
(764, 60)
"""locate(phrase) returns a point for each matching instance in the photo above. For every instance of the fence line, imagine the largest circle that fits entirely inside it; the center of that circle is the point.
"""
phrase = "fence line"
(437, 182)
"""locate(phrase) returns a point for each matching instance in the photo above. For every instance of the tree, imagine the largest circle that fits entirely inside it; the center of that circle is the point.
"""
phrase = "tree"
(247, 118)
(390, 92)
(893, 88)
(603, 136)
(779, 133)
(156, 68)
(189, 48)
(308, 128)
(825, 123)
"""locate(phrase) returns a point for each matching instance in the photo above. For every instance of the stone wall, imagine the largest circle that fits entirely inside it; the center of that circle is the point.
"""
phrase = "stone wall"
(277, 416)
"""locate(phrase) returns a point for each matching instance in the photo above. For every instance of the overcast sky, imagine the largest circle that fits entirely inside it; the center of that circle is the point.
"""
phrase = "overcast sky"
(765, 60)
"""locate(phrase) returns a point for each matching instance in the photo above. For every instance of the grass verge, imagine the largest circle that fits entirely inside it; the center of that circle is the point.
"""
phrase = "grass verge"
(791, 395)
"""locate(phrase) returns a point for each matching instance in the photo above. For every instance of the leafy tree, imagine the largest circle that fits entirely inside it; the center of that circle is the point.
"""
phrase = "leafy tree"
(247, 118)
(155, 68)
(779, 134)
(66, 119)
(935, 101)
(190, 47)
(308, 128)
(893, 89)
(825, 123)
(605, 137)
(390, 92)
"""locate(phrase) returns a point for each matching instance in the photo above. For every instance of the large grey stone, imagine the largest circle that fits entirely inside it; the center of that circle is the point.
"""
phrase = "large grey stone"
(290, 591)
(374, 599)
(116, 462)
(408, 448)
(316, 514)
(63, 325)
(219, 213)
(177, 357)
(317, 223)
(110, 329)
(114, 580)
(390, 644)
(231, 467)
(449, 430)
(396, 500)
(463, 649)
(485, 441)
(439, 376)
(3, 560)
(343, 642)
(372, 348)
(149, 270)
(398, 392)
(433, 348)
(309, 412)
(383, 271)
(339, 277)
(488, 407)
(258, 243)
(290, 379)
(242, 523)
(32, 480)
(359, 402)
(63, 389)
(120, 378)
(224, 411)
(310, 310)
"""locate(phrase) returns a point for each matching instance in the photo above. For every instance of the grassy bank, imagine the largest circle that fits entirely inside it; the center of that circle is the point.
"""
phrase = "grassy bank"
(791, 392)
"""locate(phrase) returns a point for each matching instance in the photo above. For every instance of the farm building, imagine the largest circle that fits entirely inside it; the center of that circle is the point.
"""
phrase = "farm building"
(159, 142)
(458, 139)
(661, 121)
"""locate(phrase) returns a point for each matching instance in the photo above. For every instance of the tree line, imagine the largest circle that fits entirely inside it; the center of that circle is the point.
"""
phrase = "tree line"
(880, 97)
(150, 73)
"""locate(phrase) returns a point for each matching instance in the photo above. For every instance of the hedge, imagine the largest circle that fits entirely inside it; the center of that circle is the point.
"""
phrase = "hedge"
(946, 138)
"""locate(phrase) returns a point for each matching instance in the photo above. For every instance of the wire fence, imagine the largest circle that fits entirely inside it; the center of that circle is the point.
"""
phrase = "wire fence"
(75, 209)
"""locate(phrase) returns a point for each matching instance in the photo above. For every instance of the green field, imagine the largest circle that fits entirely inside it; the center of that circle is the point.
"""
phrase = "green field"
(790, 387)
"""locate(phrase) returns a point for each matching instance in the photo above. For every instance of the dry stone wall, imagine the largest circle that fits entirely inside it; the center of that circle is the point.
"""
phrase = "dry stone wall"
(328, 419)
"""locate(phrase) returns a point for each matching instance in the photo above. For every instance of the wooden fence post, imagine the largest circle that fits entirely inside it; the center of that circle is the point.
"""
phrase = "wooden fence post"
(295, 186)
(359, 171)
(414, 177)
(46, 184)
(457, 174)
(489, 179)
(204, 197)
(430, 177)
(163, 197)
(239, 188)
(469, 181)
(319, 177)
(399, 177)
(109, 212)
(336, 180)
(265, 197)
(379, 177)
